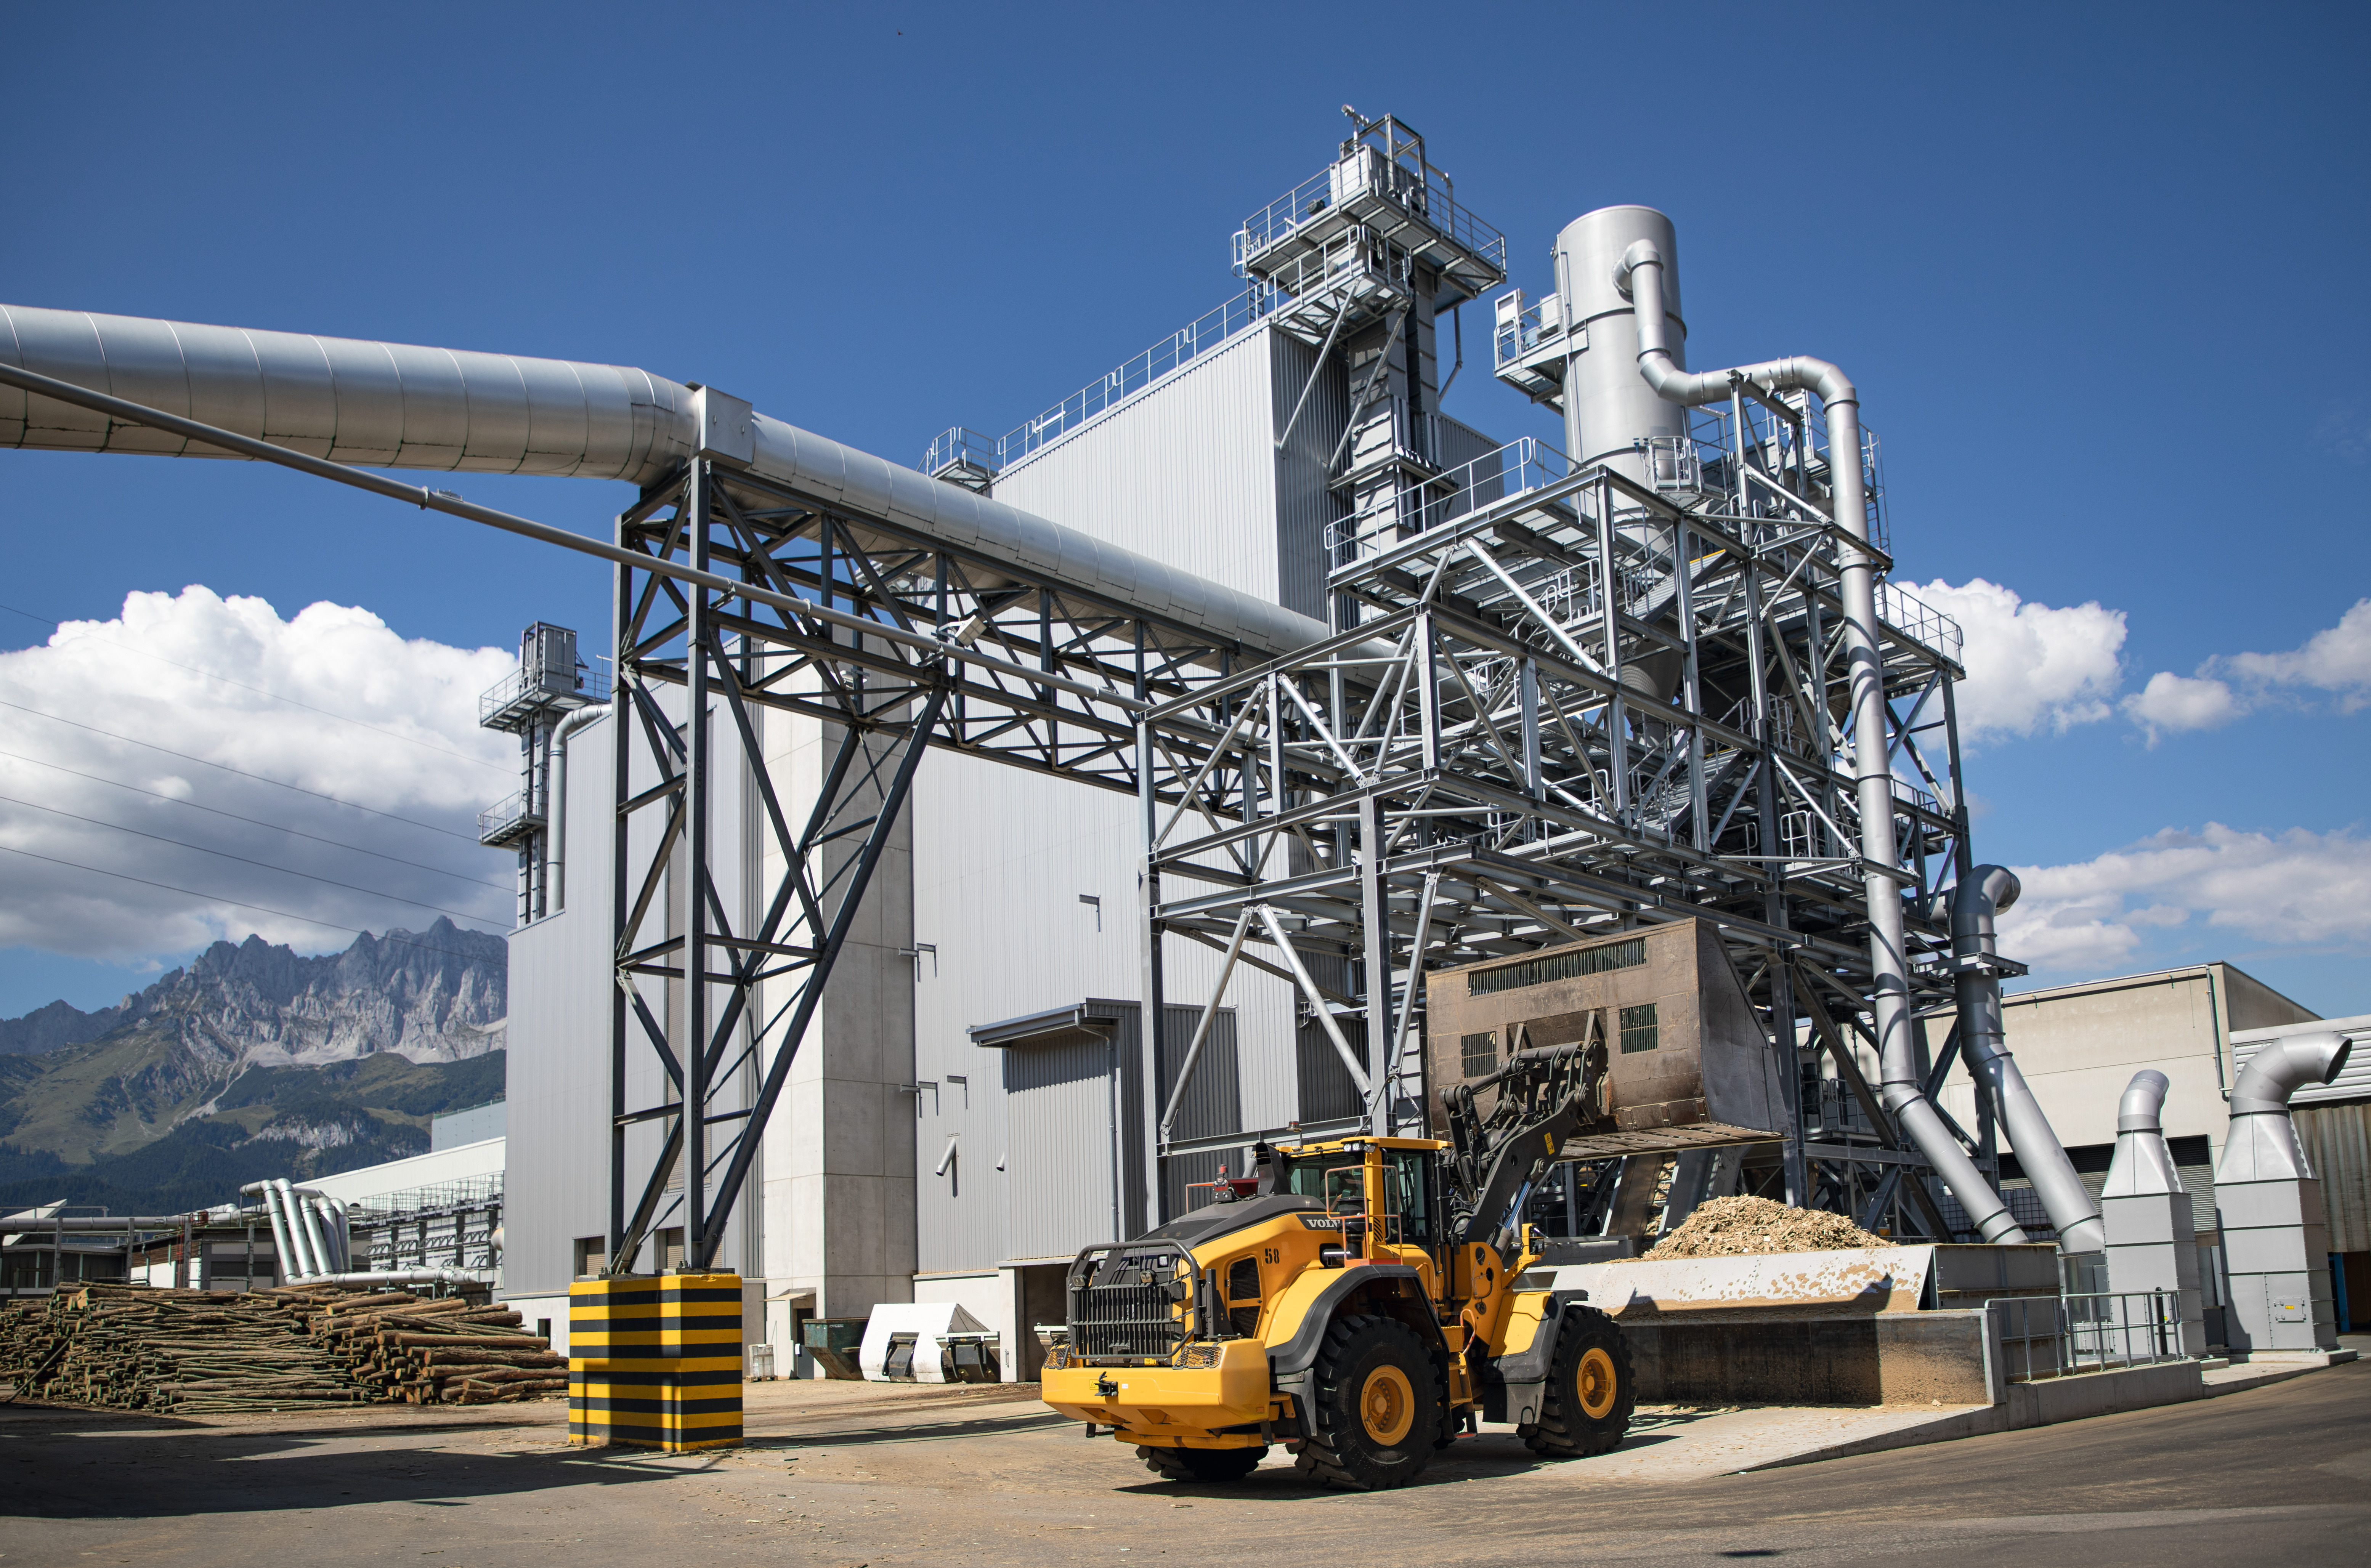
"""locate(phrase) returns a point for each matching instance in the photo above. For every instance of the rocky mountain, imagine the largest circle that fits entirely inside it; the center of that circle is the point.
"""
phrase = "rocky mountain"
(253, 1048)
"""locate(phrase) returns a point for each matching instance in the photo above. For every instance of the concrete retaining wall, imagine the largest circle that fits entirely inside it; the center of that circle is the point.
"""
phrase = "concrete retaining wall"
(1885, 1358)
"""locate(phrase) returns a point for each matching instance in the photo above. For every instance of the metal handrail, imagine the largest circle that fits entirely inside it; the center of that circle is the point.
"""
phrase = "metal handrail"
(1427, 199)
(1197, 337)
(2058, 1336)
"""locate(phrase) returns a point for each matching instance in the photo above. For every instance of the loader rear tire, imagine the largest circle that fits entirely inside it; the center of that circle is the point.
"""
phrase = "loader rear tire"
(1201, 1464)
(1376, 1408)
(1586, 1407)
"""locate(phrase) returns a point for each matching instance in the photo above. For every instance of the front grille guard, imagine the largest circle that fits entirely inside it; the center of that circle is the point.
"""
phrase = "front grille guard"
(1125, 1301)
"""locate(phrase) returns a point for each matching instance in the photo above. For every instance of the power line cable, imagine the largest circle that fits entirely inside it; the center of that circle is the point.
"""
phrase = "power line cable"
(203, 762)
(261, 691)
(258, 822)
(404, 941)
(225, 854)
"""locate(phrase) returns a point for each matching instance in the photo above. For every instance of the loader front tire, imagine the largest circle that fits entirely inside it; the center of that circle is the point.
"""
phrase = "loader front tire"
(1201, 1464)
(1586, 1407)
(1377, 1408)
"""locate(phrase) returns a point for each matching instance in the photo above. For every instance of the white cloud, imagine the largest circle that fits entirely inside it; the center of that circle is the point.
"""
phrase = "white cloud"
(2029, 665)
(2296, 888)
(2172, 702)
(163, 672)
(2336, 659)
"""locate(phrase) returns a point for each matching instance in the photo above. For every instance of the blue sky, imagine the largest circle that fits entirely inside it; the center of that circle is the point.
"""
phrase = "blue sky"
(2096, 270)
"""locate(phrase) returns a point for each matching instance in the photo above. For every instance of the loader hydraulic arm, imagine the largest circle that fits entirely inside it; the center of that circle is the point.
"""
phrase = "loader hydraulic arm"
(1544, 1097)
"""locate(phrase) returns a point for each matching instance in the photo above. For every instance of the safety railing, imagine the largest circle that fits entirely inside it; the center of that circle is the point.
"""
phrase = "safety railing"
(1190, 342)
(503, 819)
(1435, 501)
(2056, 1336)
(574, 688)
(1365, 173)
(1920, 621)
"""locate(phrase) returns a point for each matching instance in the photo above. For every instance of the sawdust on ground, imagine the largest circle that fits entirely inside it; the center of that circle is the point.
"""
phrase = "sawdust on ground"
(1731, 1227)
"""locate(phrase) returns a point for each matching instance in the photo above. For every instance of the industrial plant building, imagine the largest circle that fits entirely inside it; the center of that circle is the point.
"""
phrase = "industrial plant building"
(964, 864)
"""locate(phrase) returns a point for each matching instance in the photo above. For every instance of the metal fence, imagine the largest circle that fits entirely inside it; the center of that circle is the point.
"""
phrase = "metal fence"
(2056, 1336)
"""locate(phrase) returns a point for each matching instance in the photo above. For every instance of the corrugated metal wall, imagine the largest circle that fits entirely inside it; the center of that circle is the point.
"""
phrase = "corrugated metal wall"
(1213, 1103)
(2337, 1144)
(1185, 473)
(558, 1185)
(1305, 507)
(1059, 1102)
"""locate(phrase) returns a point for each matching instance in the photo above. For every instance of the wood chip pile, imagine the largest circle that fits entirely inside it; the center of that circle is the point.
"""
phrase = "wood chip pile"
(134, 1347)
(1734, 1228)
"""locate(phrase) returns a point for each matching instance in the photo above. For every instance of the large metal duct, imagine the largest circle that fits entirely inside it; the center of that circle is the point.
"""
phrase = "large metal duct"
(284, 1252)
(1640, 273)
(401, 406)
(2143, 1166)
(2262, 1145)
(1974, 904)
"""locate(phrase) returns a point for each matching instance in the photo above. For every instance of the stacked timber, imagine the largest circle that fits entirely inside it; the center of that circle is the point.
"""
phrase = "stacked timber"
(136, 1347)
(133, 1347)
(451, 1351)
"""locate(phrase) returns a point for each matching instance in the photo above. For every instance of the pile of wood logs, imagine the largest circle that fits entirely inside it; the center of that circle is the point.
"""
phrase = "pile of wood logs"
(131, 1347)
(448, 1350)
(136, 1347)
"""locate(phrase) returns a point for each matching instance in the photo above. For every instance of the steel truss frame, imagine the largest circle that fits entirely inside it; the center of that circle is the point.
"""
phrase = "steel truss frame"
(894, 640)
(1566, 712)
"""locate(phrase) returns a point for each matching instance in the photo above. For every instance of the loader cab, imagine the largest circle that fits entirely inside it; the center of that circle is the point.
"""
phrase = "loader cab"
(1406, 1203)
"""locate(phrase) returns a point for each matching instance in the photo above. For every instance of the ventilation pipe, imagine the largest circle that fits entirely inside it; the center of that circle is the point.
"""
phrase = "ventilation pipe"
(301, 1230)
(2143, 1166)
(2262, 1145)
(402, 405)
(555, 877)
(1639, 275)
(283, 1251)
(1974, 906)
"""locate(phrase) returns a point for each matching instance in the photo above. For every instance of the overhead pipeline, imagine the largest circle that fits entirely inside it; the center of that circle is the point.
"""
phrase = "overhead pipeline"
(402, 405)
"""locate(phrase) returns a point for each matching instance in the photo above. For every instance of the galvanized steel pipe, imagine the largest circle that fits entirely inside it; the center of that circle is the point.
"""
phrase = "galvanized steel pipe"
(1640, 275)
(401, 406)
(2262, 1145)
(1973, 905)
(2142, 1165)
(555, 847)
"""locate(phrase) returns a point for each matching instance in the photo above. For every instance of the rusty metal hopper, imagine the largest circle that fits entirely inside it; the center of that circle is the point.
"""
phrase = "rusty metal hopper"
(1688, 1065)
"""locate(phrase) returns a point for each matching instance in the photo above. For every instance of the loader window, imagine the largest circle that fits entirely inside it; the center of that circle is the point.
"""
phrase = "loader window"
(1409, 1201)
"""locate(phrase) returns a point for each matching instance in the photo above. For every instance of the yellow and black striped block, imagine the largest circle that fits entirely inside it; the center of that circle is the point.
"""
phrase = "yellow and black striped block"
(656, 1362)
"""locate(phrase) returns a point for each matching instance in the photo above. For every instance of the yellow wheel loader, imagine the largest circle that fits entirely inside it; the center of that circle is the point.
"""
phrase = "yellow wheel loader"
(1362, 1301)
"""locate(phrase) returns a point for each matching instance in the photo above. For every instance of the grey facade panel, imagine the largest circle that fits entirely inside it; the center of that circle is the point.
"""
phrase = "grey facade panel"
(2337, 1144)
(1305, 508)
(556, 1187)
(1062, 1104)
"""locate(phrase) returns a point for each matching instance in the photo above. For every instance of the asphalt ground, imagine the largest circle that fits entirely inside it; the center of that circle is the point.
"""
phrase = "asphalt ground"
(858, 1474)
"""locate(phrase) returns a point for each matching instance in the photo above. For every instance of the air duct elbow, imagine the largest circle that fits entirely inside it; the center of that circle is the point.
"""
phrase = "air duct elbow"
(2285, 1066)
(2143, 1166)
(1640, 278)
(2143, 1101)
(2262, 1145)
